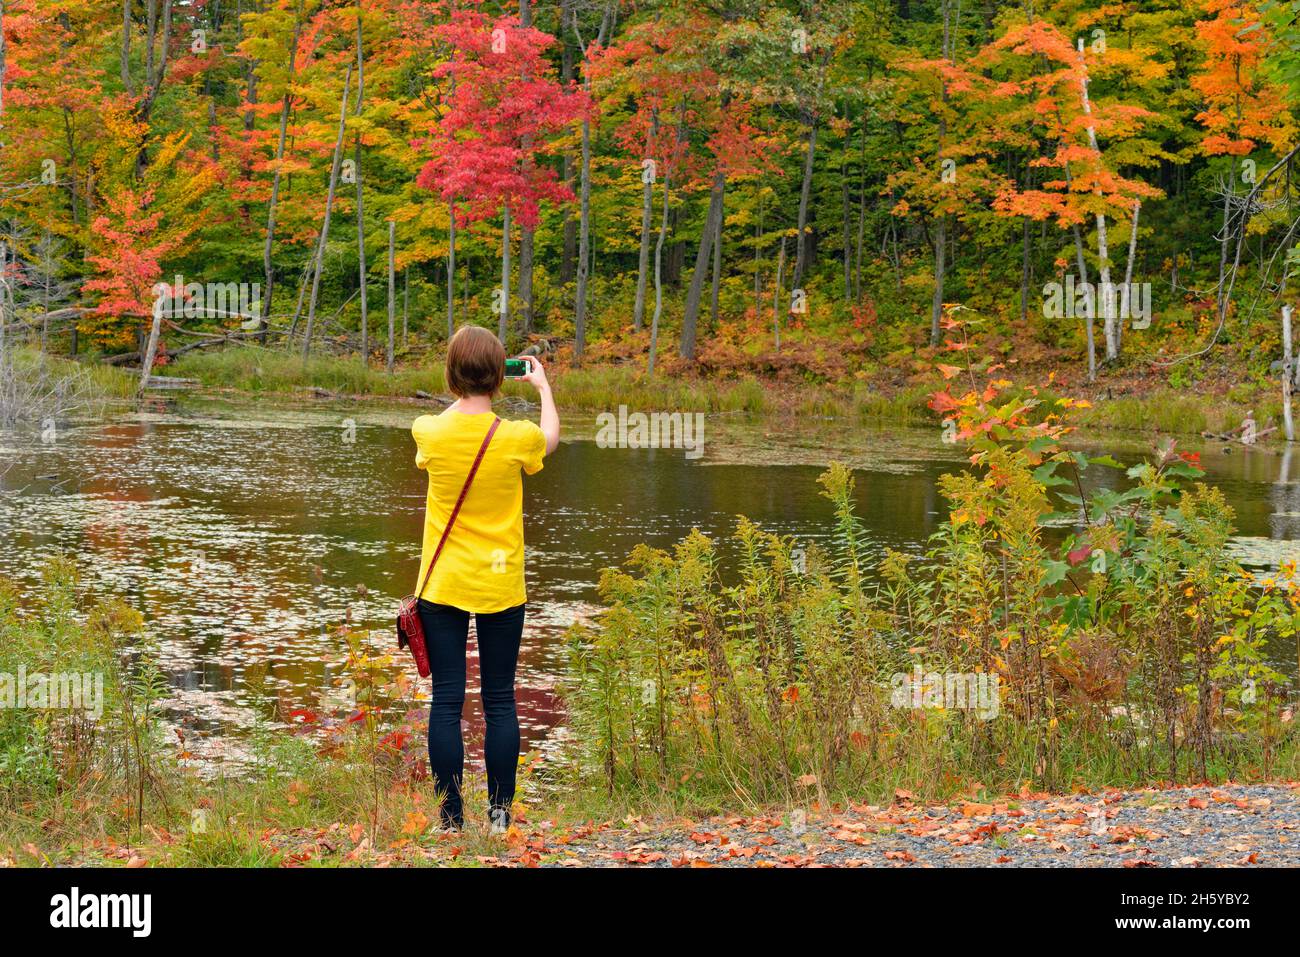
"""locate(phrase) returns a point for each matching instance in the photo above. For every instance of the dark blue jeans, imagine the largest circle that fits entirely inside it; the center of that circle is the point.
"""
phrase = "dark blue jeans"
(446, 631)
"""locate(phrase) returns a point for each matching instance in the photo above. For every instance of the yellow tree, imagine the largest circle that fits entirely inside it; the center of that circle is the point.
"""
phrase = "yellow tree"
(1051, 79)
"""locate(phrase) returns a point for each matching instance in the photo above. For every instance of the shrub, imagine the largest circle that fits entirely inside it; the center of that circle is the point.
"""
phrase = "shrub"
(1130, 650)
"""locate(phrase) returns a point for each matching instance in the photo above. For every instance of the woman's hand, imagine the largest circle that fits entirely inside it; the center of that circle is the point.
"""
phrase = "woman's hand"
(550, 422)
(536, 376)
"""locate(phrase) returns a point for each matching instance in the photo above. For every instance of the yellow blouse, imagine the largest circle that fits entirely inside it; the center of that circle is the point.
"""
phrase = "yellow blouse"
(481, 568)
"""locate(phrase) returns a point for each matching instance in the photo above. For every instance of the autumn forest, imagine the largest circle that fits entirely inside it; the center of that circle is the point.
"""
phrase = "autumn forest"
(984, 307)
(741, 187)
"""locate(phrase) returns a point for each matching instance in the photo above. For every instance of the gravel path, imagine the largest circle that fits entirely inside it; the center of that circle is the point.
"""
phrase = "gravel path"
(1226, 826)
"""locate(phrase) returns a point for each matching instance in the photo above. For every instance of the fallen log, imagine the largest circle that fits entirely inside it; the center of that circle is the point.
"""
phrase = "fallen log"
(170, 383)
(1236, 436)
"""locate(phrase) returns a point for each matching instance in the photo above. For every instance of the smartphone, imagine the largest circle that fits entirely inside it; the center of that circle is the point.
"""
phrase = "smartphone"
(517, 368)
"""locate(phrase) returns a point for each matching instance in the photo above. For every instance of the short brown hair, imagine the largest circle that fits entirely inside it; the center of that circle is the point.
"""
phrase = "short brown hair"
(476, 362)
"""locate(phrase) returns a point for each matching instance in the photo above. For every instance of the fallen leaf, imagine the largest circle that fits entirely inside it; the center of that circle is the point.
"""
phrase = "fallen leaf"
(416, 823)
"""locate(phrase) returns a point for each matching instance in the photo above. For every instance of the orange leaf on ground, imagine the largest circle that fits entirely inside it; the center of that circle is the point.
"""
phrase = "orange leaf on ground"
(415, 823)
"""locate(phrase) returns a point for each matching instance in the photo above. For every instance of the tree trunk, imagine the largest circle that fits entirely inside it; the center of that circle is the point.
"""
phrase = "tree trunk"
(504, 312)
(862, 214)
(647, 204)
(1228, 189)
(451, 273)
(776, 296)
(1128, 277)
(940, 267)
(1024, 270)
(1083, 277)
(361, 217)
(845, 242)
(526, 277)
(155, 72)
(325, 226)
(47, 268)
(4, 303)
(151, 350)
(275, 183)
(805, 191)
(250, 85)
(124, 58)
(584, 213)
(1287, 423)
(525, 231)
(392, 294)
(569, 244)
(361, 258)
(941, 227)
(696, 291)
(1104, 293)
(659, 285)
(584, 240)
(717, 267)
(2, 60)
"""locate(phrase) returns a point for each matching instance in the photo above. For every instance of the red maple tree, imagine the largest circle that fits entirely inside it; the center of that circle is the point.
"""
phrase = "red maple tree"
(503, 106)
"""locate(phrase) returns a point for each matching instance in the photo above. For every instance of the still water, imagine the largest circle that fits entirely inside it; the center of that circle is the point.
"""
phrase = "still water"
(249, 534)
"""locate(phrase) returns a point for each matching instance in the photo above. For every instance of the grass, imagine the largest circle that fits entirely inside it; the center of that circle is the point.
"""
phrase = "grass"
(354, 793)
(252, 369)
(767, 692)
(585, 389)
(77, 790)
(605, 387)
(1177, 413)
(599, 388)
(110, 381)
(907, 407)
(608, 387)
(1163, 411)
(35, 388)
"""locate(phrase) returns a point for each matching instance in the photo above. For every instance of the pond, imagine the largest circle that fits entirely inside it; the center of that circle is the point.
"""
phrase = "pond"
(248, 533)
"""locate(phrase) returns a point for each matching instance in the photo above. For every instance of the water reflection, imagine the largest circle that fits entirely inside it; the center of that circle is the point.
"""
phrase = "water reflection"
(244, 537)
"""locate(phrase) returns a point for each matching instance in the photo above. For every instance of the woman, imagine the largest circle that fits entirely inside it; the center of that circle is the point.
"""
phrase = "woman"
(480, 570)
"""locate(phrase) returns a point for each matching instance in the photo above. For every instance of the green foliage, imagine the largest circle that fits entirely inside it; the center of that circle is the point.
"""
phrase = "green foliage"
(109, 741)
(1128, 651)
(875, 97)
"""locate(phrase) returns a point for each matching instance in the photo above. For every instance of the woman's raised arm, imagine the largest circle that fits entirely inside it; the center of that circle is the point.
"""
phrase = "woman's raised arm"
(550, 422)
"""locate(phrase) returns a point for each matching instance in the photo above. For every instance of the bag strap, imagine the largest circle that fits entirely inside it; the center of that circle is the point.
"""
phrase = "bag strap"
(451, 519)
